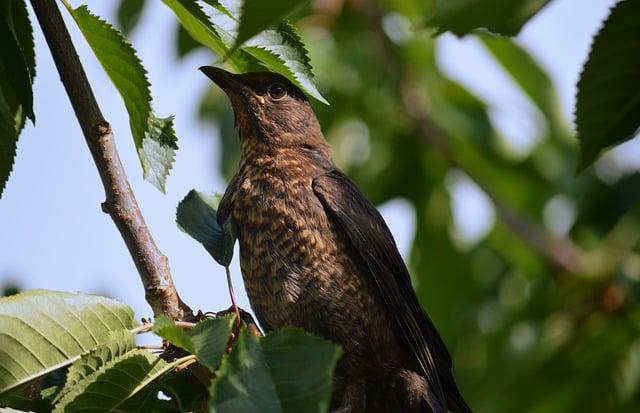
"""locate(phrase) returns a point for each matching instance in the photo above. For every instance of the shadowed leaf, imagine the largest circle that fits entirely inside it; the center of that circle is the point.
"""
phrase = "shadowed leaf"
(608, 102)
(258, 15)
(196, 215)
(207, 340)
(42, 331)
(284, 372)
(498, 16)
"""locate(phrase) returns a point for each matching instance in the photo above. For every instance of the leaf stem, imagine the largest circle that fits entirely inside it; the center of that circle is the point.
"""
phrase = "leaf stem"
(232, 294)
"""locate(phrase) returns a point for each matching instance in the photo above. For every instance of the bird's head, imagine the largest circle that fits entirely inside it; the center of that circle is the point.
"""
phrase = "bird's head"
(269, 108)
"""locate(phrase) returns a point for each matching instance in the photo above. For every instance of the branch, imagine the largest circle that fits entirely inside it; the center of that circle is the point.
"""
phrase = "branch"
(120, 202)
(561, 252)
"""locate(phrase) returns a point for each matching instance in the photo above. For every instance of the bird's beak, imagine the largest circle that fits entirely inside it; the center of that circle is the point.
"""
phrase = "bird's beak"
(225, 80)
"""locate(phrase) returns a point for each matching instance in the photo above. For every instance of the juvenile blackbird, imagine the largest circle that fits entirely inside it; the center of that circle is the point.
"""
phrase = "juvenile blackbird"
(316, 254)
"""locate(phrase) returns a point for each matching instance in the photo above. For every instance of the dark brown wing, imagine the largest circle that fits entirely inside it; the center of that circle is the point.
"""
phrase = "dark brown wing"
(372, 239)
(224, 208)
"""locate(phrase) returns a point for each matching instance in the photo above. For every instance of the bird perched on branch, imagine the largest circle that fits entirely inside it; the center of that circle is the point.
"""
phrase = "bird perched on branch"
(316, 254)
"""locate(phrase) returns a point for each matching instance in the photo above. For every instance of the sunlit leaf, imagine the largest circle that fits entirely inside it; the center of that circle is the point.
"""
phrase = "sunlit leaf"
(42, 331)
(154, 137)
(112, 384)
(119, 343)
(279, 50)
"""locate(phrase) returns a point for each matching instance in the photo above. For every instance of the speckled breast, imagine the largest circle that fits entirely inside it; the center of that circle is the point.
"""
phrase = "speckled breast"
(295, 262)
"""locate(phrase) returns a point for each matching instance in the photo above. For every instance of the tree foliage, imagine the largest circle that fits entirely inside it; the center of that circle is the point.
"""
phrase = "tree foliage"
(545, 315)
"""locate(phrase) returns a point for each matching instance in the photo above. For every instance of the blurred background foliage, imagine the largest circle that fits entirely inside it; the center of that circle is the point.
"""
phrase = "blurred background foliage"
(541, 313)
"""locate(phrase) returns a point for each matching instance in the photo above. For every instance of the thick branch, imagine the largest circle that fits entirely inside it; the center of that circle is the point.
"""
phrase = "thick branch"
(120, 203)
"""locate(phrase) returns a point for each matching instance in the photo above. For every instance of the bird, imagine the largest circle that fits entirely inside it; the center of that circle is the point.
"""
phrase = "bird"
(316, 254)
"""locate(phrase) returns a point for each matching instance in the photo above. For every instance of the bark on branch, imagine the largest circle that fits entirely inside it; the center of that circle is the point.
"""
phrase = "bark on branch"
(120, 203)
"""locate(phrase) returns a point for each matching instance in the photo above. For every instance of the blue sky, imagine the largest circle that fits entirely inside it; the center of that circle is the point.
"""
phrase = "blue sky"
(55, 236)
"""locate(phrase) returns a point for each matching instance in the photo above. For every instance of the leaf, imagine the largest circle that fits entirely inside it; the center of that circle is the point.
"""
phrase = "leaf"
(258, 15)
(112, 384)
(498, 16)
(286, 371)
(154, 137)
(280, 50)
(207, 340)
(608, 101)
(197, 24)
(528, 74)
(197, 216)
(184, 42)
(128, 14)
(42, 331)
(119, 343)
(17, 69)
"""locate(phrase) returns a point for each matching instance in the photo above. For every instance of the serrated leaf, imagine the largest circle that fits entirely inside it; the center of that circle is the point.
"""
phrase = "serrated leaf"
(17, 69)
(128, 14)
(280, 50)
(197, 24)
(286, 371)
(119, 343)
(154, 137)
(41, 331)
(608, 101)
(258, 15)
(498, 16)
(114, 383)
(197, 216)
(207, 340)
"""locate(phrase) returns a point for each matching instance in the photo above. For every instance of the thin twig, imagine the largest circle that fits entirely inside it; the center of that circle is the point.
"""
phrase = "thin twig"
(120, 204)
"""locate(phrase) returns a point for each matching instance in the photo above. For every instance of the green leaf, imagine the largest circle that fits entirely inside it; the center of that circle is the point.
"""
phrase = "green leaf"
(608, 102)
(128, 14)
(114, 383)
(528, 74)
(17, 69)
(154, 137)
(197, 216)
(42, 331)
(284, 372)
(280, 50)
(197, 24)
(498, 16)
(207, 340)
(258, 15)
(119, 343)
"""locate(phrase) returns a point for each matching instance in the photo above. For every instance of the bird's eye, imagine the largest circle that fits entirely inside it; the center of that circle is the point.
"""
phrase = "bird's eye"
(277, 91)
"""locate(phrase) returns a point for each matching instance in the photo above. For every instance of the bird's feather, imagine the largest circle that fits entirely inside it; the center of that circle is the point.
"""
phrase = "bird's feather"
(371, 237)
